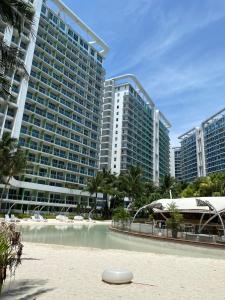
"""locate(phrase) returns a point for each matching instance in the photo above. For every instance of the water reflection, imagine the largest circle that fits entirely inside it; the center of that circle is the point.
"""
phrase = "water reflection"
(99, 236)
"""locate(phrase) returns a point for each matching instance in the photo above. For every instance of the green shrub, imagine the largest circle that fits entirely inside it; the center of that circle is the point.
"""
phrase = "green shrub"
(49, 216)
(120, 214)
(23, 216)
(10, 250)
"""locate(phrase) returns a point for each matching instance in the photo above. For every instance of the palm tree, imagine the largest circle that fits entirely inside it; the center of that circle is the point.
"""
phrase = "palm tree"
(94, 185)
(7, 145)
(15, 13)
(167, 184)
(12, 160)
(131, 183)
(211, 185)
(149, 188)
(9, 60)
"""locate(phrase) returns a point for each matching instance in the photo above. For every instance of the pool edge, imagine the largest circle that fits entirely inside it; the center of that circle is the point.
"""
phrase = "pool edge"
(168, 239)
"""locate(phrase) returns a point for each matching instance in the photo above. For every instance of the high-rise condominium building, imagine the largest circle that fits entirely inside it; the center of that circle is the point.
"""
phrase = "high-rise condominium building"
(176, 163)
(56, 115)
(203, 148)
(134, 132)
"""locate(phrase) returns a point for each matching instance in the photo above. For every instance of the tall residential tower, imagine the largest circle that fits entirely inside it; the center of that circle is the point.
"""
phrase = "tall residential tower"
(57, 113)
(134, 132)
(203, 148)
(176, 163)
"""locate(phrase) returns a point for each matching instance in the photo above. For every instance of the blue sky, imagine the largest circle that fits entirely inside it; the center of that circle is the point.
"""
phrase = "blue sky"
(176, 49)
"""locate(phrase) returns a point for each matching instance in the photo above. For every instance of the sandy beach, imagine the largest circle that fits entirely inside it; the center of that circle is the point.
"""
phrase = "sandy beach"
(65, 273)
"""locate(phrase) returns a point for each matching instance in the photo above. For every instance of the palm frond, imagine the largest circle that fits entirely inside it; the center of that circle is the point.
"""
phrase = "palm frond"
(10, 58)
(4, 83)
(16, 13)
(4, 87)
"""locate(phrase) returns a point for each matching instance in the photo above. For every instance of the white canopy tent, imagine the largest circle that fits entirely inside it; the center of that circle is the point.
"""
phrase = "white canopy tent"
(196, 204)
(213, 206)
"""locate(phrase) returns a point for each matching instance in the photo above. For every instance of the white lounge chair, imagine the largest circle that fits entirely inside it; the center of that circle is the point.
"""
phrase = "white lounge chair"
(35, 218)
(42, 218)
(62, 218)
(78, 218)
(7, 218)
(38, 218)
(58, 217)
(14, 219)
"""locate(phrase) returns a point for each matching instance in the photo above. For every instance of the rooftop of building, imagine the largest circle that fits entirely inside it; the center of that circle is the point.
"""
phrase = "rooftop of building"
(188, 133)
(71, 18)
(220, 114)
(137, 86)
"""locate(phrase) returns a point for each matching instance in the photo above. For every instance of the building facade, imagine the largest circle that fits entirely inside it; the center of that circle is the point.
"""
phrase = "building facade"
(203, 148)
(134, 132)
(56, 115)
(176, 163)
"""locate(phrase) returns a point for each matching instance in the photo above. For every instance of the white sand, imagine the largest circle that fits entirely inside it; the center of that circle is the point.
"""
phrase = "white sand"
(50, 272)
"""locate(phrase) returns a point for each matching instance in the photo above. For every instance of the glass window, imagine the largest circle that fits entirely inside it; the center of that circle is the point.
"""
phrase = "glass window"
(62, 25)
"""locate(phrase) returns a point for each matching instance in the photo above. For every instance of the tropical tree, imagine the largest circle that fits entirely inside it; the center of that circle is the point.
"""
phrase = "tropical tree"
(211, 185)
(120, 214)
(175, 219)
(108, 182)
(94, 185)
(218, 180)
(111, 188)
(131, 182)
(149, 188)
(12, 160)
(10, 251)
(151, 193)
(189, 191)
(166, 185)
(9, 60)
(14, 13)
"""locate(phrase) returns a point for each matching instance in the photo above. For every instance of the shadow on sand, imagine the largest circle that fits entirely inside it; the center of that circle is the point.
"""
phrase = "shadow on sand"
(24, 289)
(29, 258)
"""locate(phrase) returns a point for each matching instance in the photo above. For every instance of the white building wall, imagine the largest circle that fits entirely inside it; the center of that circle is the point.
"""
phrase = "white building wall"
(28, 63)
(121, 87)
(156, 146)
(200, 152)
(7, 39)
(107, 125)
(172, 162)
(117, 130)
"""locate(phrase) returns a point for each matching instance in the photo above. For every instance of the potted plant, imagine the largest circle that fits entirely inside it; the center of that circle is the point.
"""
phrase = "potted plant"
(175, 219)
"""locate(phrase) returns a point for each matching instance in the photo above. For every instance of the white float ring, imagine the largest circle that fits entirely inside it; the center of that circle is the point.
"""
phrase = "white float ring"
(117, 276)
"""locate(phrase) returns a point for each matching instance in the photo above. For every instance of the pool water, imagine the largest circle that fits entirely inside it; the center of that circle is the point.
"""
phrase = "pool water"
(99, 236)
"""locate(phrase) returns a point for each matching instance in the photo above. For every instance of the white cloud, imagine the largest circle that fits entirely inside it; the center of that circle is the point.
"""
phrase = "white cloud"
(170, 80)
(171, 28)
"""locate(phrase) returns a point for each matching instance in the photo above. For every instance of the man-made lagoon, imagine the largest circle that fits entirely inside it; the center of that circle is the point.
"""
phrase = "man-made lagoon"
(99, 236)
